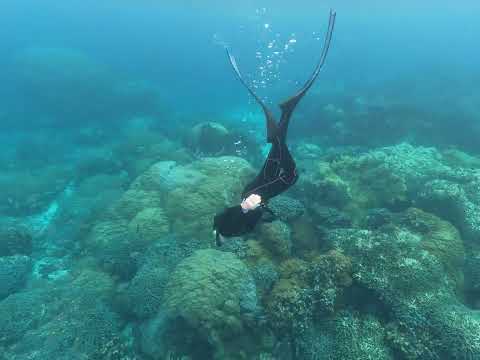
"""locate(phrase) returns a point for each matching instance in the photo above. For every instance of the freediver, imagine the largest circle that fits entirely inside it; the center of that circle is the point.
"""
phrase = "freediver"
(279, 170)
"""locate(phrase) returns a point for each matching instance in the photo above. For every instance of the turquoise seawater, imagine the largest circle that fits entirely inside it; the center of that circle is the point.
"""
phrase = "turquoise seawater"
(124, 130)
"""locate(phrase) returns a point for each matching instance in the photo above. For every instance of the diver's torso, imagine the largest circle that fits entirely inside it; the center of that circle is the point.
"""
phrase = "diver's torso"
(235, 222)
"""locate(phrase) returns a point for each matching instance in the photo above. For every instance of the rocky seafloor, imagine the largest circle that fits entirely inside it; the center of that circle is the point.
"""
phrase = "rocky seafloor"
(375, 255)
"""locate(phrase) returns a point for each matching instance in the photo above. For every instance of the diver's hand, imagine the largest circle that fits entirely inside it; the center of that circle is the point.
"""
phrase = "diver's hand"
(251, 203)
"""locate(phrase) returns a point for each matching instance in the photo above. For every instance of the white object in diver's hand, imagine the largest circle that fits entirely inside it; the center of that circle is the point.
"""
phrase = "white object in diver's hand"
(251, 203)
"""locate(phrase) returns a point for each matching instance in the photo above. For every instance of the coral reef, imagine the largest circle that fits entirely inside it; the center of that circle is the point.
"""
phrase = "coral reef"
(347, 335)
(13, 273)
(143, 295)
(325, 185)
(209, 139)
(212, 290)
(149, 224)
(276, 237)
(15, 239)
(69, 318)
(472, 277)
(451, 201)
(412, 268)
(106, 251)
(286, 208)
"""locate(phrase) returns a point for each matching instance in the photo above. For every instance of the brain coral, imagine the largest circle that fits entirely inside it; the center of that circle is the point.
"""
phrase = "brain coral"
(277, 238)
(208, 290)
(135, 200)
(150, 224)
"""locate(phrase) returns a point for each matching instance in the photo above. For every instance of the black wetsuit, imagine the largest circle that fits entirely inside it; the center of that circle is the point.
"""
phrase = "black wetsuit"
(277, 175)
(279, 170)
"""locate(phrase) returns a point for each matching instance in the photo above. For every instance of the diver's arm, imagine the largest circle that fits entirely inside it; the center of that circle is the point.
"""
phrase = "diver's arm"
(289, 105)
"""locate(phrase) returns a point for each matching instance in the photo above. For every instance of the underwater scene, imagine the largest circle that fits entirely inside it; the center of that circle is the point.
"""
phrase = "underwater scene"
(253, 180)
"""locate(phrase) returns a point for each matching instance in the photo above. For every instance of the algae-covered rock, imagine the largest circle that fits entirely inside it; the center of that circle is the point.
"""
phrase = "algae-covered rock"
(209, 138)
(210, 290)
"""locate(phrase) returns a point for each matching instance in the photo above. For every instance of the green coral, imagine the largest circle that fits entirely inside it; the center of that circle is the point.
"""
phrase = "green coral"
(207, 289)
(412, 272)
(371, 180)
(143, 295)
(60, 319)
(306, 290)
(290, 305)
(440, 238)
(149, 224)
(135, 200)
(453, 202)
(276, 237)
(325, 185)
(110, 243)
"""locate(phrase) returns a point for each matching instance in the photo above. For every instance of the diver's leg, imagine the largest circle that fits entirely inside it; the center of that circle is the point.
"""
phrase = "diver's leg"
(277, 175)
(288, 106)
(270, 122)
(287, 175)
(270, 171)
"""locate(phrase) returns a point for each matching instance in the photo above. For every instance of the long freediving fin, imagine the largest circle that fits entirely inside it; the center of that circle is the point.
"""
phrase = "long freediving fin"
(270, 120)
(289, 105)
